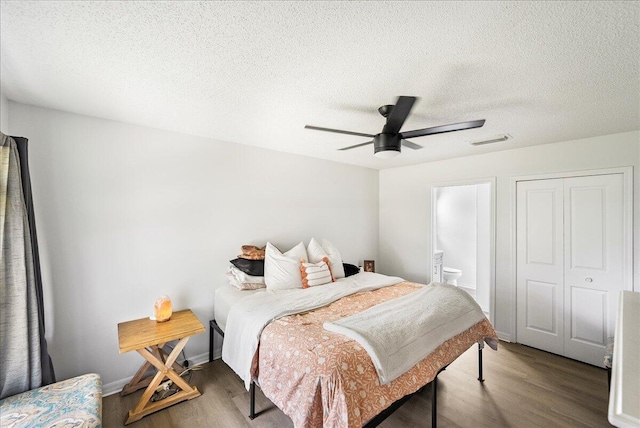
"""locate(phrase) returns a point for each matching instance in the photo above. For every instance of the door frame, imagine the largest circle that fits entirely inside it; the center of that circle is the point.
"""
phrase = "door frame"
(492, 231)
(627, 225)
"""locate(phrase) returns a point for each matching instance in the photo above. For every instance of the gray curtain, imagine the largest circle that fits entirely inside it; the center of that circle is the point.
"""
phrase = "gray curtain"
(26, 363)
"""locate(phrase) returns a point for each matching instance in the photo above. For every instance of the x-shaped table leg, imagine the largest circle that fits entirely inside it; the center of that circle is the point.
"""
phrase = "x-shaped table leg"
(165, 369)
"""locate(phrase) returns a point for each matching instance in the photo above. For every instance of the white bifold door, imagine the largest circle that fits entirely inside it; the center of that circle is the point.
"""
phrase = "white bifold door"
(570, 263)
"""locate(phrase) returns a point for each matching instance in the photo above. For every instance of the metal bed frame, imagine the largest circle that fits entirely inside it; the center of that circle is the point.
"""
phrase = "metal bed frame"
(376, 420)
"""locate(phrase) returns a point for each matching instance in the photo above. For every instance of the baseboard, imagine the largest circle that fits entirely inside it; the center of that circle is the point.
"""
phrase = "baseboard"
(199, 359)
(467, 286)
(115, 387)
(506, 337)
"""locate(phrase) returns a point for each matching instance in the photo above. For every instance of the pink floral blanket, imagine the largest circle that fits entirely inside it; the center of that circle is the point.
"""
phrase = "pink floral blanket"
(324, 379)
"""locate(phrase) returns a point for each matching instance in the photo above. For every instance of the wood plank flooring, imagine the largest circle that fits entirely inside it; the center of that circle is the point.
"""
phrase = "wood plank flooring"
(524, 387)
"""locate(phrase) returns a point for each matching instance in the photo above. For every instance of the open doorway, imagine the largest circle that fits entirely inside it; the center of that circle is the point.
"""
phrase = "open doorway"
(463, 238)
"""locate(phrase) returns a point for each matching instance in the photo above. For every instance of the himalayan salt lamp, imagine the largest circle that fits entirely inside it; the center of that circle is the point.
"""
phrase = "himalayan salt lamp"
(163, 309)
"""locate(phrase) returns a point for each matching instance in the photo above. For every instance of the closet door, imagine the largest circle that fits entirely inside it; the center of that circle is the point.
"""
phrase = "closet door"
(540, 266)
(570, 263)
(593, 254)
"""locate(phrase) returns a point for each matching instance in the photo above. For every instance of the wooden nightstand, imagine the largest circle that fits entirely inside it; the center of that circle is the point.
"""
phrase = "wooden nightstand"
(148, 337)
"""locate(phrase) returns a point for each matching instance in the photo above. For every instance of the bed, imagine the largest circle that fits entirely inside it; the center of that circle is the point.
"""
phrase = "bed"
(322, 378)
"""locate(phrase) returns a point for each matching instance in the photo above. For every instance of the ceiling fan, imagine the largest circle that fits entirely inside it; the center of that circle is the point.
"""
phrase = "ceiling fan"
(387, 143)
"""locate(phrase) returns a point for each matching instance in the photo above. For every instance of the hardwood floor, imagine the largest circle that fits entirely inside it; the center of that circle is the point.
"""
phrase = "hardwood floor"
(524, 387)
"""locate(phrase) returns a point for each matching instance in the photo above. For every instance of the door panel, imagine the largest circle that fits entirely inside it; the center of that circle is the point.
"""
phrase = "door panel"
(541, 304)
(588, 310)
(541, 227)
(593, 212)
(539, 281)
(587, 227)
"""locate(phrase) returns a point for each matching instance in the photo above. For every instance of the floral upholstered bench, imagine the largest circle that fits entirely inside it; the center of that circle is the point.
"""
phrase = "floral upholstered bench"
(75, 402)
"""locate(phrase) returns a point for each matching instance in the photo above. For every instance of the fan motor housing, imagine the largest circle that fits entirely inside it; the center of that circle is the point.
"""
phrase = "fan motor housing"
(384, 142)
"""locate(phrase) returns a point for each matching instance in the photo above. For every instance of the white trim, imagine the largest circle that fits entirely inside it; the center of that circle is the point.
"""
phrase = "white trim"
(506, 337)
(467, 286)
(627, 174)
(492, 232)
(115, 387)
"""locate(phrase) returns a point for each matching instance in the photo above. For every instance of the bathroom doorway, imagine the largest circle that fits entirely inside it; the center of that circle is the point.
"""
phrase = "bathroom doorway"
(463, 238)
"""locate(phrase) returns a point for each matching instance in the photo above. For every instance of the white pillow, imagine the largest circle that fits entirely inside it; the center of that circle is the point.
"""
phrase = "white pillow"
(316, 252)
(282, 271)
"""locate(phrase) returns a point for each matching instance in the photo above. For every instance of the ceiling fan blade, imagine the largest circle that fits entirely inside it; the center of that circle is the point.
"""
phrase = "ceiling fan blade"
(357, 145)
(442, 129)
(411, 145)
(399, 114)
(338, 131)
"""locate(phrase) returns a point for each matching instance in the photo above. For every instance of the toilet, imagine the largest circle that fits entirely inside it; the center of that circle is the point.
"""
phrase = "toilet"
(451, 275)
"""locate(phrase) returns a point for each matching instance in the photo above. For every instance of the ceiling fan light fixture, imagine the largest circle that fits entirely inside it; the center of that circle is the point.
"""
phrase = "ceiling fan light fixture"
(386, 146)
(387, 154)
(496, 139)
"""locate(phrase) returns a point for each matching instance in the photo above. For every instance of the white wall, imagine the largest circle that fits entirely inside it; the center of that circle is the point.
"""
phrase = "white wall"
(405, 211)
(4, 115)
(127, 213)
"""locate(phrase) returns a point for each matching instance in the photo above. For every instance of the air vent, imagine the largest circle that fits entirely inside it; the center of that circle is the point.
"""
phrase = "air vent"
(496, 139)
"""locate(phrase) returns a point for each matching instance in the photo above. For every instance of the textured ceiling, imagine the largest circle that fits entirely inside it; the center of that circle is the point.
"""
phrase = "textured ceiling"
(256, 72)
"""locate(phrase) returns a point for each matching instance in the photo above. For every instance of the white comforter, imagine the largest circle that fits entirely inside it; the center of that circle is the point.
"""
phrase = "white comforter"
(435, 313)
(248, 317)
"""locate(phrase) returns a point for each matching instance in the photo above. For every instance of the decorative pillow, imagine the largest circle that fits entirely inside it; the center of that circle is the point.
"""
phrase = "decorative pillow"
(250, 267)
(316, 252)
(251, 252)
(282, 271)
(242, 281)
(350, 269)
(315, 273)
